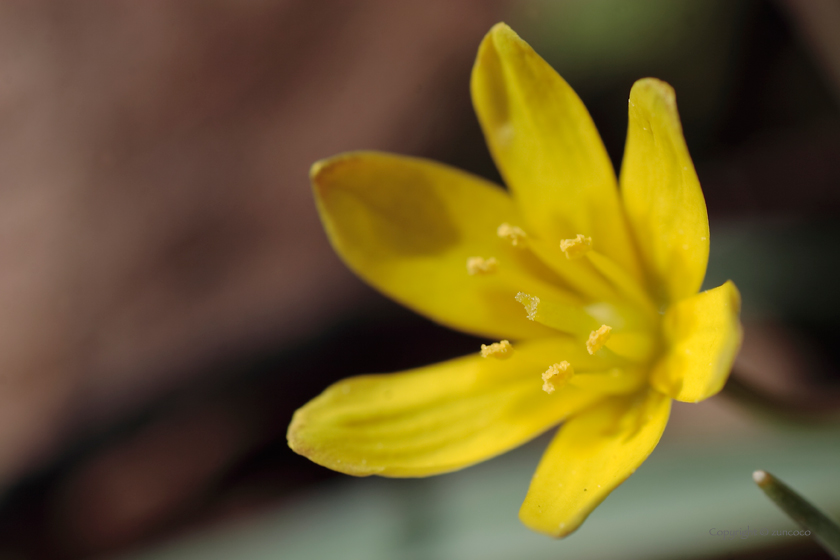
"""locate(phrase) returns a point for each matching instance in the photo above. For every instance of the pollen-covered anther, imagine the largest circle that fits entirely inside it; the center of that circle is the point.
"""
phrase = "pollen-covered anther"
(577, 247)
(598, 338)
(501, 350)
(530, 302)
(514, 234)
(556, 376)
(479, 265)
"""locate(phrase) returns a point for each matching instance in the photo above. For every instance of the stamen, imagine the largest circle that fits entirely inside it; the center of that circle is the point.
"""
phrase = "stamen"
(478, 265)
(598, 338)
(514, 234)
(577, 247)
(530, 303)
(501, 350)
(562, 371)
(566, 316)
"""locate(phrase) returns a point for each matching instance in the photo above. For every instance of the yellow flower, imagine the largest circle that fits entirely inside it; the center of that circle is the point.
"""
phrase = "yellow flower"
(596, 287)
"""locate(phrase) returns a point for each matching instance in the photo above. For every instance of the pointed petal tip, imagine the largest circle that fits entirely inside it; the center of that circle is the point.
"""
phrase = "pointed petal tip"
(303, 444)
(656, 85)
(650, 92)
(500, 38)
(734, 294)
(502, 31)
(498, 31)
(294, 442)
(316, 170)
(555, 531)
(501, 27)
(319, 171)
(321, 168)
(652, 96)
(322, 173)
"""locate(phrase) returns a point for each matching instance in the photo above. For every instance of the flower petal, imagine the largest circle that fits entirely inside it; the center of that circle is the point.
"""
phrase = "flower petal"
(625, 285)
(662, 194)
(589, 457)
(546, 147)
(615, 381)
(408, 226)
(703, 335)
(439, 418)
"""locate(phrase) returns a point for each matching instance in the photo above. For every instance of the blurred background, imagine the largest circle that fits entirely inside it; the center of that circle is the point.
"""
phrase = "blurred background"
(169, 298)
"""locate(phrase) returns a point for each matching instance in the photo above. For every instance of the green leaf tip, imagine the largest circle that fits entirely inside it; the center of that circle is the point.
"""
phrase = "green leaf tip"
(824, 530)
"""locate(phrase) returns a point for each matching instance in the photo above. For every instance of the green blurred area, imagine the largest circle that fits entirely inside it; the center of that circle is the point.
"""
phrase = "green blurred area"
(602, 46)
(783, 270)
(686, 489)
(704, 48)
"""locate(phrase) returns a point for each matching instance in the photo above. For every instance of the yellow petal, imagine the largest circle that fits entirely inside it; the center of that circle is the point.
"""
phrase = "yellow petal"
(615, 381)
(546, 147)
(636, 346)
(409, 227)
(592, 453)
(703, 335)
(629, 288)
(662, 194)
(437, 418)
(578, 275)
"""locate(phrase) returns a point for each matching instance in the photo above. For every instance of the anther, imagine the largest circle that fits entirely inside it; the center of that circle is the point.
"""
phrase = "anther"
(598, 338)
(560, 373)
(479, 265)
(530, 302)
(514, 234)
(577, 247)
(501, 350)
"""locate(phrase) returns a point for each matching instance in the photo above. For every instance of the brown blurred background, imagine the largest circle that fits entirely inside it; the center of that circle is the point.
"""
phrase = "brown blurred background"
(168, 296)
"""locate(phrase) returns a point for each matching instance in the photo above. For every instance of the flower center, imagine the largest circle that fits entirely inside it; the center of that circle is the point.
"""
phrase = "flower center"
(626, 336)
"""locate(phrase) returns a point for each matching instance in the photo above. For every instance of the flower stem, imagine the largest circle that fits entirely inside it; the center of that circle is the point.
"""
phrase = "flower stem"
(824, 530)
